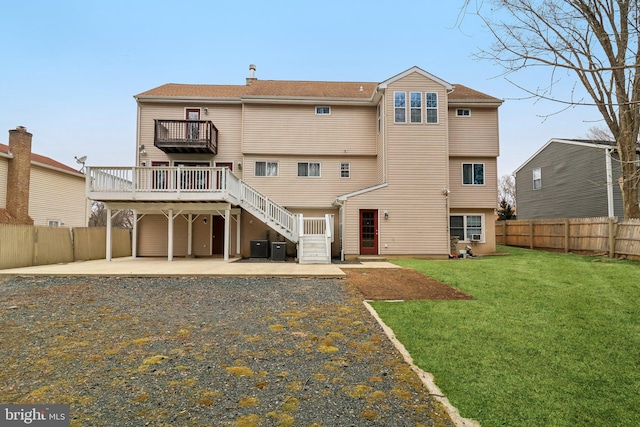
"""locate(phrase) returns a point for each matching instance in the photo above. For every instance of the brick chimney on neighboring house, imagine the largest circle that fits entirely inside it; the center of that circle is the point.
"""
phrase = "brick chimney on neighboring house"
(19, 176)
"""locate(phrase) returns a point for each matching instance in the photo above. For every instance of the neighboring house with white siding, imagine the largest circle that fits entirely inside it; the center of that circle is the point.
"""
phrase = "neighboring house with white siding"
(38, 190)
(332, 168)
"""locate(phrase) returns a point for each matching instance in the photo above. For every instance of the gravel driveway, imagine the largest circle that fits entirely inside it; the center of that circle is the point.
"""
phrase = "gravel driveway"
(205, 352)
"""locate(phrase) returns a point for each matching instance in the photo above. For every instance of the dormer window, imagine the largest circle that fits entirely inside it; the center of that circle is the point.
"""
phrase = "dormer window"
(323, 110)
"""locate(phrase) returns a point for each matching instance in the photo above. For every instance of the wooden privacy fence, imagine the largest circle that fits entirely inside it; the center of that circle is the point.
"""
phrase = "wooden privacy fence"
(28, 245)
(596, 235)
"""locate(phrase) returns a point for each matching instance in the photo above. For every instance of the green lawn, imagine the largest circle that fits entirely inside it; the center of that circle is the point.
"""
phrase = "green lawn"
(548, 339)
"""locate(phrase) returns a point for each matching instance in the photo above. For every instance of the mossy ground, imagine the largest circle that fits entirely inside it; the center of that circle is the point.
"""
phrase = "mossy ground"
(205, 352)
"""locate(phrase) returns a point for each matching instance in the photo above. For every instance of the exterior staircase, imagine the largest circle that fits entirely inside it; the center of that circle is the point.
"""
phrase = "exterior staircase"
(313, 236)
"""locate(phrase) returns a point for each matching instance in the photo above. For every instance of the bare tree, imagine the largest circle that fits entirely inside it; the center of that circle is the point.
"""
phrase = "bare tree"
(595, 41)
(98, 218)
(597, 133)
(507, 189)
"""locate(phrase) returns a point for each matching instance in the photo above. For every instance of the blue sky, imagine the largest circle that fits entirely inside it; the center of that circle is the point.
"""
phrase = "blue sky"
(70, 69)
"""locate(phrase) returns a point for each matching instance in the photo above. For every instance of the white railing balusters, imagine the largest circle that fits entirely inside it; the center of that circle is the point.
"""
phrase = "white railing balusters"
(189, 179)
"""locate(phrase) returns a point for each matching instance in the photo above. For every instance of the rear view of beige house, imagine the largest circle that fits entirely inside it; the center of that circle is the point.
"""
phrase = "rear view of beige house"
(38, 190)
(323, 169)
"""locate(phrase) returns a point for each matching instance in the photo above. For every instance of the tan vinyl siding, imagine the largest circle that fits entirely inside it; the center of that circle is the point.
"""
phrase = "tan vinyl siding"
(153, 236)
(476, 135)
(4, 165)
(296, 129)
(488, 246)
(466, 196)
(288, 189)
(381, 145)
(57, 196)
(227, 118)
(414, 227)
(417, 172)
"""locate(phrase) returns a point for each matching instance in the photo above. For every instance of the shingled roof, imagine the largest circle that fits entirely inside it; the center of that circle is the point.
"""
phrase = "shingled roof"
(267, 88)
(43, 160)
(293, 89)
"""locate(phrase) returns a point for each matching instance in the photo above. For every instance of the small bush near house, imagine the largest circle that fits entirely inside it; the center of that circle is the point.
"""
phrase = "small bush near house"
(548, 339)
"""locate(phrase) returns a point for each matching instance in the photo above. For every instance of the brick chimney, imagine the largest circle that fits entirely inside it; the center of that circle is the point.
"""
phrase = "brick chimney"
(19, 175)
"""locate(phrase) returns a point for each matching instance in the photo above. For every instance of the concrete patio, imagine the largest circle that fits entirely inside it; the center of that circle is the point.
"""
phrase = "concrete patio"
(193, 267)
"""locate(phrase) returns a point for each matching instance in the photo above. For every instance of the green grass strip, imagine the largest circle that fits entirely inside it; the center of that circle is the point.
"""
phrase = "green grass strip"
(548, 340)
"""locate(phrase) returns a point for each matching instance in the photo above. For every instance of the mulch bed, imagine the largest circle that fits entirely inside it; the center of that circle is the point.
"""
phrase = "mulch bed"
(205, 352)
(400, 284)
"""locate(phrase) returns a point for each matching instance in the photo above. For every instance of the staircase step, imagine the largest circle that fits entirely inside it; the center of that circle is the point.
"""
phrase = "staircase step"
(371, 258)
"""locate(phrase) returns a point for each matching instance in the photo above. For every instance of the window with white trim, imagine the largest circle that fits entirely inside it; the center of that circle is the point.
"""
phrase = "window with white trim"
(467, 228)
(309, 169)
(431, 104)
(266, 169)
(345, 170)
(537, 178)
(463, 112)
(415, 98)
(473, 173)
(53, 223)
(323, 110)
(400, 107)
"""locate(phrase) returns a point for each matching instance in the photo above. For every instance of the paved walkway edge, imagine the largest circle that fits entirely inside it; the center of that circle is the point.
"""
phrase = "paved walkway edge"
(425, 377)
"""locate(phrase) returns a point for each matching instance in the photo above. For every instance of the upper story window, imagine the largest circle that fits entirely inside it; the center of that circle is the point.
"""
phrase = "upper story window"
(537, 179)
(416, 107)
(473, 173)
(345, 170)
(266, 169)
(309, 169)
(400, 107)
(323, 110)
(379, 113)
(463, 112)
(431, 99)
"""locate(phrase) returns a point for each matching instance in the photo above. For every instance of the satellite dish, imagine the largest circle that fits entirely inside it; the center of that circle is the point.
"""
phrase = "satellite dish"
(80, 160)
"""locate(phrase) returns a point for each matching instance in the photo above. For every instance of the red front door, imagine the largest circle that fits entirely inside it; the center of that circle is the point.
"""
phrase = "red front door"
(368, 232)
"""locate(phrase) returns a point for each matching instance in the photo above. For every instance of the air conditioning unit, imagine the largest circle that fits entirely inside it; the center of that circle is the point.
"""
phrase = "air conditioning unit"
(476, 237)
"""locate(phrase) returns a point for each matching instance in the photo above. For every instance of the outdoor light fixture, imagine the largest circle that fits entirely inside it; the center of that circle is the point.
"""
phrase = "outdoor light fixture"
(142, 150)
(204, 219)
(206, 111)
(240, 165)
(386, 214)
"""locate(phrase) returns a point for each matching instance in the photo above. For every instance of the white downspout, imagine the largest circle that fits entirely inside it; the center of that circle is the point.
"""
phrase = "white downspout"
(610, 209)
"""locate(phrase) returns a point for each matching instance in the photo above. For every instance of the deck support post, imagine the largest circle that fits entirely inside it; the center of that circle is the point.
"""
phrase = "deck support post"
(238, 234)
(134, 236)
(170, 236)
(227, 228)
(108, 234)
(190, 235)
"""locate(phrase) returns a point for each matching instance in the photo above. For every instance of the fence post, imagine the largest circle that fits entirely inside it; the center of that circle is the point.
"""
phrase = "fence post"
(612, 237)
(566, 236)
(531, 235)
(504, 233)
